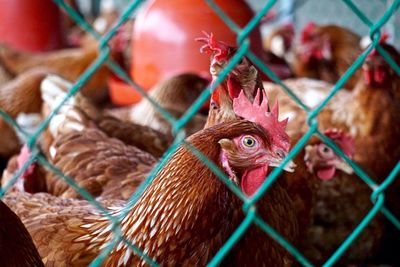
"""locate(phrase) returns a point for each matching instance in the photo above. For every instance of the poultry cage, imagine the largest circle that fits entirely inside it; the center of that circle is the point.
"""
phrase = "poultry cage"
(251, 217)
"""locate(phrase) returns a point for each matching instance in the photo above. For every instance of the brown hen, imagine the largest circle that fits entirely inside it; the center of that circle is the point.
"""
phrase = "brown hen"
(167, 222)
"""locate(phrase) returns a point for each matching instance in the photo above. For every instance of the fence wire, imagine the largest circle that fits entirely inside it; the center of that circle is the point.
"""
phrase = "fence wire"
(251, 217)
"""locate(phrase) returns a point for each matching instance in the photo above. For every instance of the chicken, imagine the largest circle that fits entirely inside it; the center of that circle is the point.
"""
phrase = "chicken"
(178, 229)
(369, 114)
(16, 245)
(280, 40)
(326, 52)
(243, 77)
(80, 135)
(31, 181)
(279, 147)
(341, 201)
(21, 95)
(175, 95)
(69, 63)
(81, 112)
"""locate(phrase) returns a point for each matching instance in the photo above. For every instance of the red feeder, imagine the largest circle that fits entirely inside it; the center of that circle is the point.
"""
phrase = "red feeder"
(31, 25)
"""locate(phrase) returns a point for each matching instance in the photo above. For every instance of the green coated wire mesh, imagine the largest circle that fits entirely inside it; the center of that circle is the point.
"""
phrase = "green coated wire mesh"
(377, 197)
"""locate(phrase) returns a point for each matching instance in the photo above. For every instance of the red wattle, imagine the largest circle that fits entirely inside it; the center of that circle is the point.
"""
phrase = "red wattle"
(326, 173)
(215, 96)
(253, 179)
(233, 87)
(368, 76)
(379, 76)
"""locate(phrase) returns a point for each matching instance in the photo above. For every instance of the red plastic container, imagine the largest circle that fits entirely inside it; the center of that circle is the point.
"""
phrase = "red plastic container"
(163, 38)
(31, 25)
(121, 93)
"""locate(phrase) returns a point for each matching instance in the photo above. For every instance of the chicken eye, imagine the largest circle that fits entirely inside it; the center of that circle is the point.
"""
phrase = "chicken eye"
(326, 151)
(280, 153)
(249, 141)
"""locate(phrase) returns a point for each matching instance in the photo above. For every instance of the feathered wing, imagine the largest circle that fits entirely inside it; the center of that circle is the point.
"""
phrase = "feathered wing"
(84, 147)
(140, 136)
(79, 112)
(104, 166)
(55, 225)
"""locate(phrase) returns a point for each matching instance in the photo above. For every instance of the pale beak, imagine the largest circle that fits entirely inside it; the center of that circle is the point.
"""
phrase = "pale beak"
(343, 166)
(276, 162)
(289, 167)
(216, 67)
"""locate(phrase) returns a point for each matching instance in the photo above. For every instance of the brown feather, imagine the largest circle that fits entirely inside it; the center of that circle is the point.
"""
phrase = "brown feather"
(16, 245)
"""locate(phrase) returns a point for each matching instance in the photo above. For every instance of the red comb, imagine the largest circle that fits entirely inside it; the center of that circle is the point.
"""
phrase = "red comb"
(269, 17)
(219, 48)
(343, 140)
(305, 34)
(384, 37)
(23, 156)
(259, 113)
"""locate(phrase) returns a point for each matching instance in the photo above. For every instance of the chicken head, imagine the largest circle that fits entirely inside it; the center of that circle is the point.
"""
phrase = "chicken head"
(376, 71)
(250, 156)
(323, 161)
(244, 76)
(314, 44)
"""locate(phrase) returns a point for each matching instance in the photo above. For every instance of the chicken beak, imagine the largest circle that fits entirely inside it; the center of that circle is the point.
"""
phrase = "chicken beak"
(343, 166)
(216, 67)
(289, 167)
(276, 162)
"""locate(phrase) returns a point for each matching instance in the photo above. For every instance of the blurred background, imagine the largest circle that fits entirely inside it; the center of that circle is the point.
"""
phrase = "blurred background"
(300, 12)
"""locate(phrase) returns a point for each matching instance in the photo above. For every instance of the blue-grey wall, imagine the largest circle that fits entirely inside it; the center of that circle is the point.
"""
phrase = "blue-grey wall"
(337, 12)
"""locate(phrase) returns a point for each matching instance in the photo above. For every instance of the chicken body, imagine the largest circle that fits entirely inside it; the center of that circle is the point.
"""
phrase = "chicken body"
(175, 95)
(16, 245)
(340, 205)
(69, 63)
(183, 217)
(105, 156)
(21, 95)
(80, 113)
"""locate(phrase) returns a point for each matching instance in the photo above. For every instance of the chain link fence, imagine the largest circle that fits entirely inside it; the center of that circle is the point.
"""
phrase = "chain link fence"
(251, 217)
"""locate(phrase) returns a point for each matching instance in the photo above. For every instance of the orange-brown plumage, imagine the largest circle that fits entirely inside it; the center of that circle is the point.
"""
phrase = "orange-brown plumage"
(69, 63)
(20, 95)
(82, 113)
(104, 166)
